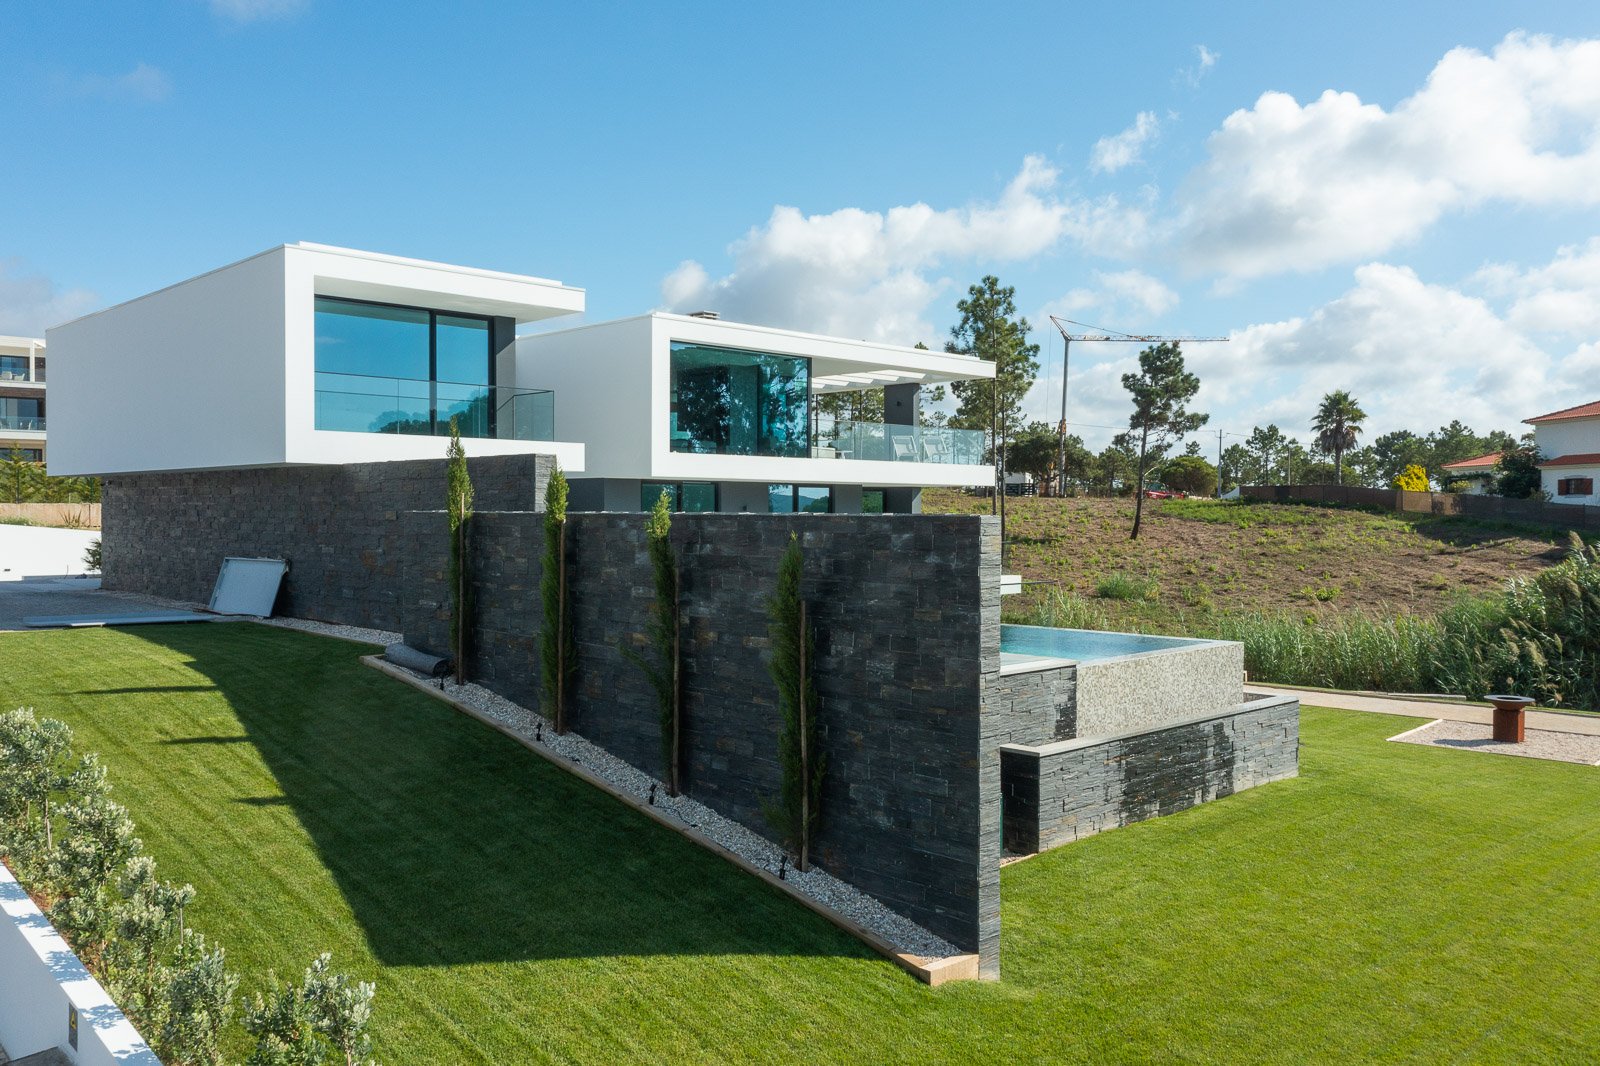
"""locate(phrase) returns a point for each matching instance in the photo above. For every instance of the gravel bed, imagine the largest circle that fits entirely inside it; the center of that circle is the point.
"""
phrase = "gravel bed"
(1539, 743)
(381, 637)
(625, 777)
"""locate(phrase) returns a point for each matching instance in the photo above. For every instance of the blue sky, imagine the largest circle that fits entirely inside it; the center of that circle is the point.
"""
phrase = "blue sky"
(1430, 239)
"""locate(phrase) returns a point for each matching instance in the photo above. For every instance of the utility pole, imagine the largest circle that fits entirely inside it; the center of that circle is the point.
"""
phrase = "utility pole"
(1104, 336)
(1219, 464)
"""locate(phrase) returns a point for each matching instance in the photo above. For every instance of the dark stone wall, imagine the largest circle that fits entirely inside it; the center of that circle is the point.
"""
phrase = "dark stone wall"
(167, 534)
(900, 605)
(1040, 706)
(1058, 793)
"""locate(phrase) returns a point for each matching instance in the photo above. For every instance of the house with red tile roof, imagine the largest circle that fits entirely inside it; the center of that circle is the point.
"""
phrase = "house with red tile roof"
(1569, 441)
(1474, 476)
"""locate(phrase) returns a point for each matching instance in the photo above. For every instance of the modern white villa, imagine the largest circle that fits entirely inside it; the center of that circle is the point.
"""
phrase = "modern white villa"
(721, 416)
(1569, 441)
(22, 416)
(307, 354)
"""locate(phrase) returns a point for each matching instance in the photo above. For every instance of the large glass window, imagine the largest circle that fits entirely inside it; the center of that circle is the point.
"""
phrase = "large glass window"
(13, 368)
(389, 369)
(802, 499)
(732, 402)
(682, 495)
(17, 407)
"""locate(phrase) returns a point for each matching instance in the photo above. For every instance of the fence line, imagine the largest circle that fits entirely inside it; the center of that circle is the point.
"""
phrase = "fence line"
(65, 515)
(1562, 515)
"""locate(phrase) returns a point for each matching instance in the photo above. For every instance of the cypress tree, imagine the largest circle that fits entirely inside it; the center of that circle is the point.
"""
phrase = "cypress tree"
(794, 817)
(557, 646)
(459, 505)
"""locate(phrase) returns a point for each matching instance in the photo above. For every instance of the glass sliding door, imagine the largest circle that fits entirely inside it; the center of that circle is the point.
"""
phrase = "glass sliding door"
(731, 402)
(382, 368)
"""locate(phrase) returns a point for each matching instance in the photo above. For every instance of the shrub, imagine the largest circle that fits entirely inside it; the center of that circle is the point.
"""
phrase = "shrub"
(91, 556)
(199, 1004)
(325, 1017)
(1121, 586)
(662, 670)
(1412, 479)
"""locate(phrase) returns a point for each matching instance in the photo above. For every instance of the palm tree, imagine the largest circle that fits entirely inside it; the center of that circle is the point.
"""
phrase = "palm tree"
(1337, 423)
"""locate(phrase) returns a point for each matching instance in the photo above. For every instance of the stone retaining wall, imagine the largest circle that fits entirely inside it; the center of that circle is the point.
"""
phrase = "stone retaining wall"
(167, 534)
(1058, 793)
(906, 616)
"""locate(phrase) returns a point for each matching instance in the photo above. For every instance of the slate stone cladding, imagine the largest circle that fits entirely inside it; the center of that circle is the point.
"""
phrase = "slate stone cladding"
(167, 534)
(900, 605)
(1058, 793)
(1041, 705)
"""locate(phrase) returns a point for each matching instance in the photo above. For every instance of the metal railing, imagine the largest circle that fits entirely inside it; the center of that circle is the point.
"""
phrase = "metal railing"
(363, 403)
(882, 442)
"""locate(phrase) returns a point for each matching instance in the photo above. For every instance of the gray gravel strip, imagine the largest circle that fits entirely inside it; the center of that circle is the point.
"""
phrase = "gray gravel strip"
(1539, 743)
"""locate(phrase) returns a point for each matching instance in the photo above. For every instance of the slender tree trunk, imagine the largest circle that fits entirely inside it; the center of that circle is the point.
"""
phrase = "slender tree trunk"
(805, 759)
(1138, 486)
(561, 630)
(673, 783)
(461, 597)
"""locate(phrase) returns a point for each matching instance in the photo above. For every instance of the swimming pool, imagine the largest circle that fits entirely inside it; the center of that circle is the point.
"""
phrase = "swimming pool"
(1084, 645)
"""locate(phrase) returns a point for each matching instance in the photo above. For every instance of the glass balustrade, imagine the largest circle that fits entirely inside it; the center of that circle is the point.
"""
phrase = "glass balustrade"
(362, 403)
(839, 438)
(19, 422)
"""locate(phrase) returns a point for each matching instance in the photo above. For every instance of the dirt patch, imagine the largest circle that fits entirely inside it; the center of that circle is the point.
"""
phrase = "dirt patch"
(1205, 557)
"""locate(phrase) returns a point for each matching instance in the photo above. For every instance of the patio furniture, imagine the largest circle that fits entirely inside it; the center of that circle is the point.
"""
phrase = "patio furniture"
(1510, 718)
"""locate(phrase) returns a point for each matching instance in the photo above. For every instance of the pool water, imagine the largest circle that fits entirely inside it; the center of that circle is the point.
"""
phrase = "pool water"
(1084, 645)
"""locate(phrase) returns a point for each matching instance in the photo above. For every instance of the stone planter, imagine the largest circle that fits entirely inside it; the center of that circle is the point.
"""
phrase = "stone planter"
(1509, 716)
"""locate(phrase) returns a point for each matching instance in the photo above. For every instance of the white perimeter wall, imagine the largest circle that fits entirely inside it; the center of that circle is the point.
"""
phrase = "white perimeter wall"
(40, 977)
(190, 376)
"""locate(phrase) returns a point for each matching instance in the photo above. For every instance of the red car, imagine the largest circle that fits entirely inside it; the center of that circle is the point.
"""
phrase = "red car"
(1164, 494)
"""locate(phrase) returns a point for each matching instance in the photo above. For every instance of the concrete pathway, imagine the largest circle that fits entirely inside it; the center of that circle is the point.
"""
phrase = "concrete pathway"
(1481, 713)
(64, 596)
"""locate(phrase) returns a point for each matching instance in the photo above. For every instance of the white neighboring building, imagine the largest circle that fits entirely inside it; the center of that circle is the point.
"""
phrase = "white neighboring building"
(22, 413)
(719, 415)
(306, 353)
(1569, 441)
(1473, 477)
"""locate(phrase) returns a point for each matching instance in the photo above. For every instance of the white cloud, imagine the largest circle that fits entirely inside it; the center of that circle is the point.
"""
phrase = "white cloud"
(1561, 297)
(1205, 59)
(255, 10)
(1111, 154)
(1126, 293)
(30, 303)
(1297, 187)
(873, 274)
(144, 82)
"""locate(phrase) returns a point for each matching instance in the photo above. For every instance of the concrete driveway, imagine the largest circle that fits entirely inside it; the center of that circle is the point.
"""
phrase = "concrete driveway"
(63, 597)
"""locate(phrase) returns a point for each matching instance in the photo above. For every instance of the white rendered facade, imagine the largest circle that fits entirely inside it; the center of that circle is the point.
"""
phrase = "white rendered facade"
(1569, 442)
(220, 371)
(615, 380)
(22, 394)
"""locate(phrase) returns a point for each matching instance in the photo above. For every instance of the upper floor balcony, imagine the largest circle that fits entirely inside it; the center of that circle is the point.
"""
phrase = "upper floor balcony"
(365, 403)
(838, 438)
(21, 424)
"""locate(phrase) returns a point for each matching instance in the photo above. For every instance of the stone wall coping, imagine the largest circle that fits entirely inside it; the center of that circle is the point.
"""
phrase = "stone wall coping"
(1032, 664)
(1040, 751)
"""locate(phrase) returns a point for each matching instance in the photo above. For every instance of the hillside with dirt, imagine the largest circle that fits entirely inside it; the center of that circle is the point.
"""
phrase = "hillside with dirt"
(1202, 556)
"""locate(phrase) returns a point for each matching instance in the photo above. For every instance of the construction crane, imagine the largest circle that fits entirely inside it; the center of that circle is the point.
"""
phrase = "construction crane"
(1100, 335)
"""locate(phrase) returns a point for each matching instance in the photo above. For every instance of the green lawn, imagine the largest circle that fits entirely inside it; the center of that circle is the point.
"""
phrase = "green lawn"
(1394, 902)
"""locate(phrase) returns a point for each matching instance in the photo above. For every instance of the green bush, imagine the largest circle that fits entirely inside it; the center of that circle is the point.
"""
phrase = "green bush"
(1120, 586)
